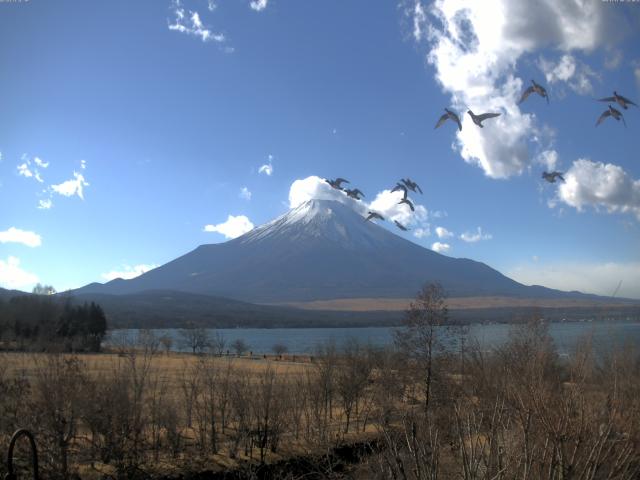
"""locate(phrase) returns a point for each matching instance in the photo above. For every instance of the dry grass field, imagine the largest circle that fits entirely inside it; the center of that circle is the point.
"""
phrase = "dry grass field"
(459, 303)
(521, 411)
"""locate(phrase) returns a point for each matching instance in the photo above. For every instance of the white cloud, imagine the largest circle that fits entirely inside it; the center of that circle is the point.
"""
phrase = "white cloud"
(15, 235)
(83, 164)
(471, 237)
(443, 232)
(245, 193)
(475, 47)
(571, 71)
(72, 187)
(191, 24)
(314, 187)
(45, 204)
(613, 60)
(258, 5)
(440, 247)
(419, 22)
(24, 170)
(599, 185)
(41, 163)
(548, 158)
(128, 272)
(12, 276)
(267, 168)
(385, 202)
(233, 227)
(598, 278)
(29, 170)
(422, 232)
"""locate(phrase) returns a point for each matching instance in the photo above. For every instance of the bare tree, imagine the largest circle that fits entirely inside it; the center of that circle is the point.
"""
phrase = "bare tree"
(279, 349)
(57, 386)
(195, 339)
(419, 337)
(239, 346)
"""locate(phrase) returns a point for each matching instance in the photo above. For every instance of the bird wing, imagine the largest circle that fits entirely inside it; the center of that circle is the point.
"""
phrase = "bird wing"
(484, 116)
(604, 115)
(457, 120)
(443, 119)
(525, 94)
(341, 180)
(400, 226)
(418, 187)
(369, 217)
(607, 99)
(627, 100)
(358, 192)
(408, 202)
(561, 178)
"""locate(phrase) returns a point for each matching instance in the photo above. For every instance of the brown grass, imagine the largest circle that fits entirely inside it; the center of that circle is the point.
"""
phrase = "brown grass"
(456, 303)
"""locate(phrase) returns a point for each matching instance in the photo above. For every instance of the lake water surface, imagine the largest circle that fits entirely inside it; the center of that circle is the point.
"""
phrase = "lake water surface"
(606, 336)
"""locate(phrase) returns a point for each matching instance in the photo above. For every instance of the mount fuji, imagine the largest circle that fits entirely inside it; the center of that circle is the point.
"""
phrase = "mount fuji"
(320, 250)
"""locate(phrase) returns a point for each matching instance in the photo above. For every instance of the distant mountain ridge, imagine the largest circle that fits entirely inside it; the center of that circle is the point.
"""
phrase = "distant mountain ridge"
(321, 250)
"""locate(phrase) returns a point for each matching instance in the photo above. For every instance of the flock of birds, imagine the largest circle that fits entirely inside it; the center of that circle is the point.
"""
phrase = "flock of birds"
(540, 90)
(406, 184)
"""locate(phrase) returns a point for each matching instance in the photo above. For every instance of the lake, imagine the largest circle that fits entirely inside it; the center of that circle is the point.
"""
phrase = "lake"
(606, 336)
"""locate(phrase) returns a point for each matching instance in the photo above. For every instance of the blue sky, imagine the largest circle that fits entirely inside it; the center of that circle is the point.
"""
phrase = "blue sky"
(131, 132)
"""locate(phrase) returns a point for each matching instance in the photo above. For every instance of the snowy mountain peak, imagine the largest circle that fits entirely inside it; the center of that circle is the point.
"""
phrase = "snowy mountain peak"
(327, 220)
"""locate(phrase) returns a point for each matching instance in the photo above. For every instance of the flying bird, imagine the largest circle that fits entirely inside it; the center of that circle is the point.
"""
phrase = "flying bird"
(551, 176)
(337, 183)
(400, 188)
(400, 226)
(449, 115)
(478, 119)
(411, 185)
(374, 215)
(408, 202)
(354, 193)
(611, 112)
(619, 99)
(534, 88)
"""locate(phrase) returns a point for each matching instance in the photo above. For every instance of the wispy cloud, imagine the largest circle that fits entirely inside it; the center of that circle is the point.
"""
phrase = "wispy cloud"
(128, 272)
(267, 168)
(15, 235)
(568, 69)
(12, 276)
(245, 193)
(440, 247)
(473, 237)
(258, 5)
(189, 22)
(233, 227)
(75, 186)
(45, 204)
(599, 278)
(41, 163)
(30, 167)
(443, 232)
(422, 232)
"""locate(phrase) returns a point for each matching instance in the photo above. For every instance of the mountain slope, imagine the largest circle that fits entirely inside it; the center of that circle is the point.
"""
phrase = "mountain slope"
(320, 250)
